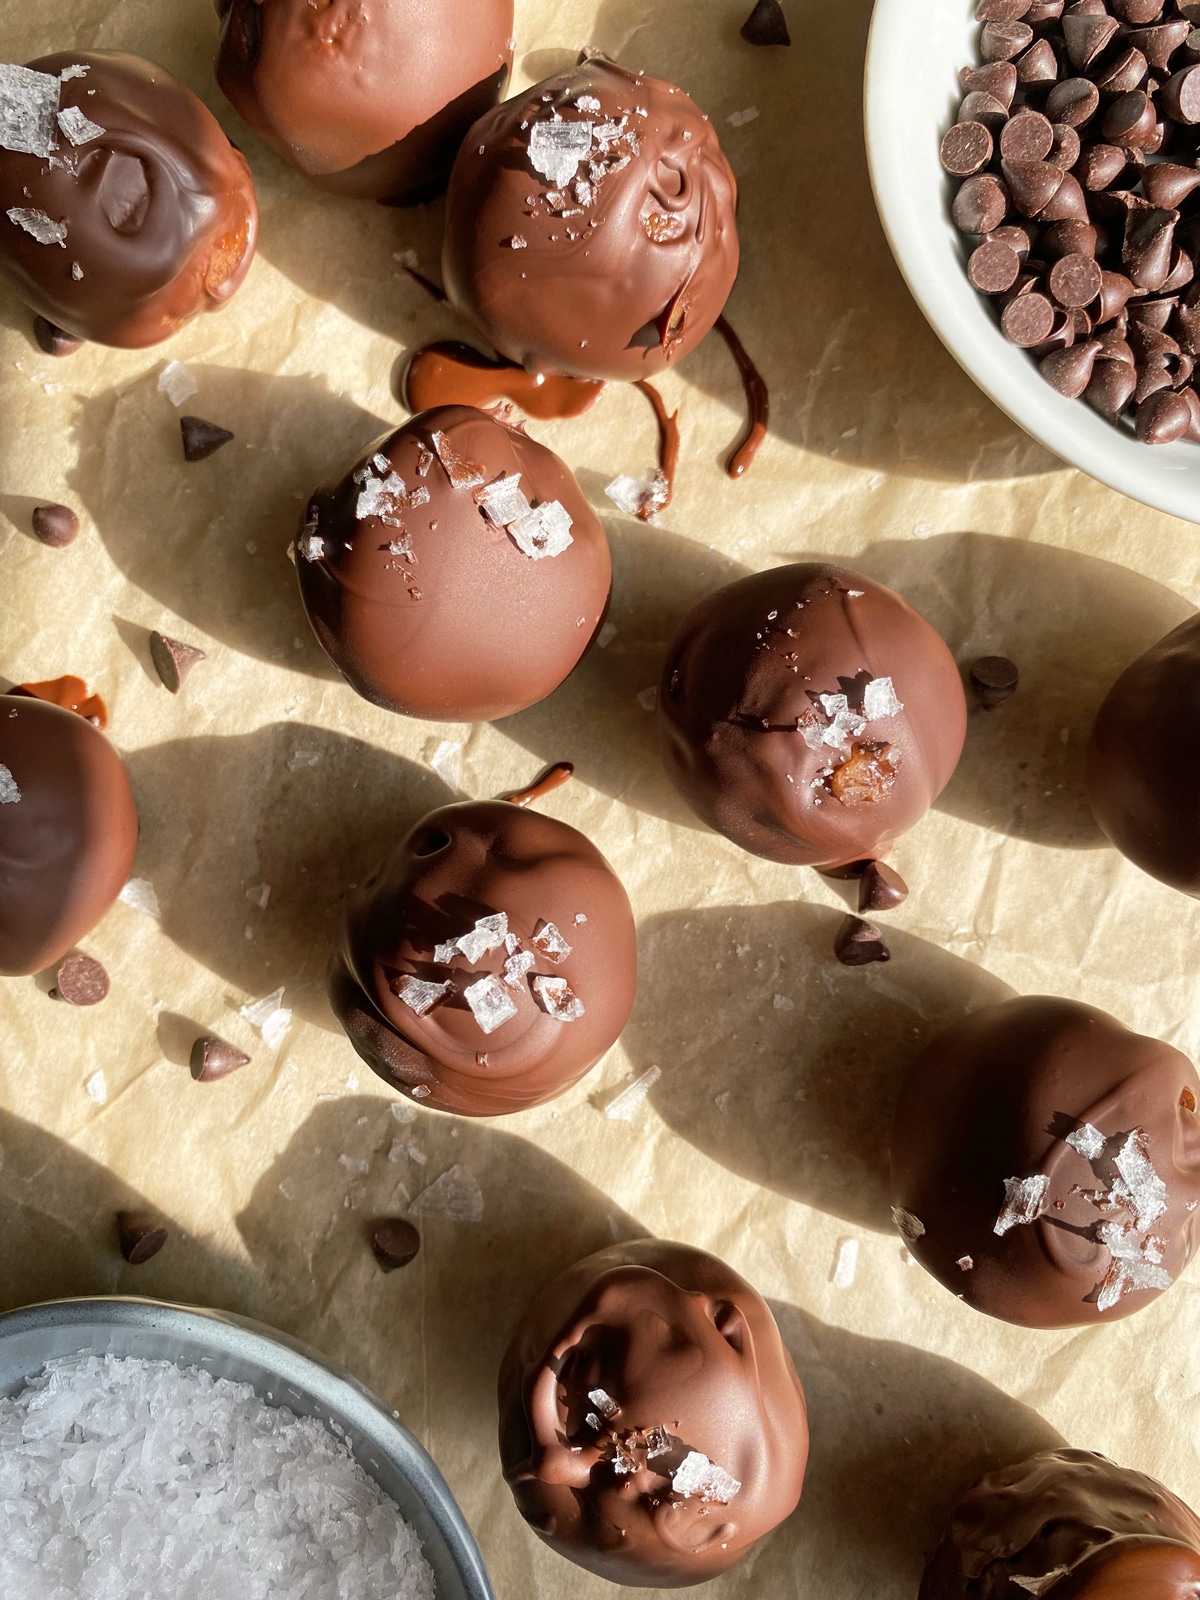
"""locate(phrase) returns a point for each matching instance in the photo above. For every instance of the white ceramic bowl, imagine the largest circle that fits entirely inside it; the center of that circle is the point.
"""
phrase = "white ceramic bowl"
(911, 97)
(274, 1366)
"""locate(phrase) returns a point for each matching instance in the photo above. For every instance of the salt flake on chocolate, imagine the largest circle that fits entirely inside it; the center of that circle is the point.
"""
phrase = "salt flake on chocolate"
(1124, 1277)
(844, 724)
(638, 497)
(1024, 1199)
(879, 699)
(75, 70)
(444, 954)
(490, 1005)
(556, 148)
(463, 474)
(604, 1403)
(697, 1477)
(9, 793)
(545, 531)
(39, 226)
(557, 998)
(1140, 1185)
(28, 104)
(658, 1443)
(419, 995)
(1088, 1141)
(910, 1228)
(487, 934)
(504, 501)
(515, 968)
(550, 943)
(78, 128)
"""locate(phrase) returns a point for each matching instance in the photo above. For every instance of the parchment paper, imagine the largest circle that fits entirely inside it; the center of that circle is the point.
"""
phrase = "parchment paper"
(764, 1139)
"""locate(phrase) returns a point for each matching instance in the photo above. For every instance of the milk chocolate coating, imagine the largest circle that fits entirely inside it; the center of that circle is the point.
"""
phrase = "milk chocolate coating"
(995, 1098)
(1143, 775)
(1076, 1527)
(159, 209)
(66, 846)
(459, 864)
(752, 659)
(679, 1342)
(368, 98)
(618, 281)
(470, 628)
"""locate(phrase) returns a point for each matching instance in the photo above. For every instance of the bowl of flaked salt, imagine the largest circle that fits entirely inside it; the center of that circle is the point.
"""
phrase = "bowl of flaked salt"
(152, 1449)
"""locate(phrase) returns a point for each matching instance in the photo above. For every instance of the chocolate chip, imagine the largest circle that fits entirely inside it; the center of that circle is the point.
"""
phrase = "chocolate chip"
(1126, 73)
(846, 873)
(858, 943)
(140, 1235)
(1087, 37)
(1167, 184)
(1183, 270)
(213, 1059)
(1163, 417)
(1068, 238)
(1001, 41)
(1075, 281)
(201, 439)
(1042, 11)
(881, 888)
(1073, 101)
(81, 981)
(966, 147)
(994, 680)
(1029, 136)
(53, 340)
(1067, 201)
(1101, 165)
(55, 525)
(983, 108)
(1148, 246)
(1181, 96)
(395, 1242)
(981, 204)
(1111, 388)
(1028, 320)
(1001, 10)
(1066, 149)
(1070, 371)
(1131, 121)
(173, 659)
(1032, 184)
(766, 24)
(993, 267)
(996, 79)
(1115, 291)
(1159, 44)
(1137, 11)
(1038, 65)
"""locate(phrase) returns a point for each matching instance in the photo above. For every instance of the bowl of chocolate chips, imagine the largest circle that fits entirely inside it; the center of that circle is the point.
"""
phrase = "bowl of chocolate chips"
(1036, 164)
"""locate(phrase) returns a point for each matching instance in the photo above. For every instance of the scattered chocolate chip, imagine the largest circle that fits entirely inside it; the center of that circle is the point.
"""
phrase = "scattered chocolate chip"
(859, 943)
(1101, 165)
(997, 79)
(81, 981)
(140, 1235)
(56, 526)
(1073, 101)
(1001, 41)
(1032, 184)
(213, 1059)
(1163, 417)
(202, 439)
(1028, 320)
(53, 340)
(1038, 65)
(993, 267)
(1001, 10)
(966, 148)
(1087, 36)
(1075, 281)
(881, 888)
(173, 660)
(395, 1242)
(1067, 147)
(1070, 371)
(1029, 136)
(1126, 73)
(981, 204)
(1137, 11)
(994, 679)
(1159, 44)
(1111, 388)
(766, 24)
(1181, 96)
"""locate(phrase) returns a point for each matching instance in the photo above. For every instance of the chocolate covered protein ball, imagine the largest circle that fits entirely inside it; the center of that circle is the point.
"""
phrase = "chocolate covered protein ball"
(124, 209)
(1067, 1525)
(456, 570)
(1143, 778)
(810, 715)
(489, 963)
(68, 830)
(368, 98)
(591, 225)
(1046, 1163)
(652, 1426)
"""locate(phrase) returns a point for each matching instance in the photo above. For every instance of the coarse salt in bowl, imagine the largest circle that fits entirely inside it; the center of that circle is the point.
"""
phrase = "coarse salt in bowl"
(266, 1466)
(911, 97)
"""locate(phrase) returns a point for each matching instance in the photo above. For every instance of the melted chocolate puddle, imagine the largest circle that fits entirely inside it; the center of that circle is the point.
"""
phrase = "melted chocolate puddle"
(553, 778)
(70, 693)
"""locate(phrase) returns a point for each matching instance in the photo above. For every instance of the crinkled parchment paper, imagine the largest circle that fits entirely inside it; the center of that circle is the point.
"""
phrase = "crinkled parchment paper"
(764, 1139)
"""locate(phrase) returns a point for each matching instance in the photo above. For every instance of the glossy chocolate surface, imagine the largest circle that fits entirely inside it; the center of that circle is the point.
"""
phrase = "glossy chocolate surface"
(159, 208)
(368, 98)
(621, 1368)
(1067, 1525)
(458, 865)
(438, 612)
(614, 269)
(742, 723)
(67, 842)
(1143, 777)
(1000, 1097)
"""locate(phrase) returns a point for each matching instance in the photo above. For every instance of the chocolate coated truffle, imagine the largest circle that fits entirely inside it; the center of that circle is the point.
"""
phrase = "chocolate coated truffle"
(1046, 1163)
(455, 571)
(1143, 776)
(489, 962)
(652, 1426)
(68, 830)
(144, 214)
(1067, 1525)
(810, 714)
(590, 225)
(368, 98)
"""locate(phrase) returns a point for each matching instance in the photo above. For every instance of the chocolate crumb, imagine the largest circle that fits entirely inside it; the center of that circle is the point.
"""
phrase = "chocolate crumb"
(881, 888)
(214, 1058)
(53, 340)
(395, 1242)
(994, 679)
(141, 1236)
(173, 660)
(81, 981)
(859, 943)
(56, 526)
(766, 24)
(202, 439)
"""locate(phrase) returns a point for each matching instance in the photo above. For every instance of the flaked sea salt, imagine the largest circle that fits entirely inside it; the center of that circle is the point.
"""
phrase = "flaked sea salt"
(638, 497)
(604, 1403)
(658, 1443)
(444, 954)
(648, 698)
(844, 724)
(463, 474)
(846, 1264)
(556, 148)
(446, 761)
(1024, 1199)
(1088, 1141)
(489, 933)
(259, 894)
(547, 941)
(544, 531)
(9, 792)
(516, 966)
(300, 759)
(879, 699)
(127, 1478)
(490, 1005)
(606, 635)
(504, 501)
(96, 1089)
(269, 1017)
(455, 1195)
(354, 1164)
(623, 1108)
(78, 128)
(557, 998)
(910, 1228)
(739, 119)
(75, 70)
(696, 1477)
(28, 105)
(177, 383)
(418, 995)
(38, 225)
(139, 893)
(1140, 1185)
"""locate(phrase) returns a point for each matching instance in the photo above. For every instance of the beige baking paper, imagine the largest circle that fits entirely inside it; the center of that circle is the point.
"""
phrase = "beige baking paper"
(764, 1139)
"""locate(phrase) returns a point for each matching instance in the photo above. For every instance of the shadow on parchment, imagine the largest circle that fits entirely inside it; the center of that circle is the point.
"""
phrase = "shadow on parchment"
(778, 1062)
(328, 809)
(229, 573)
